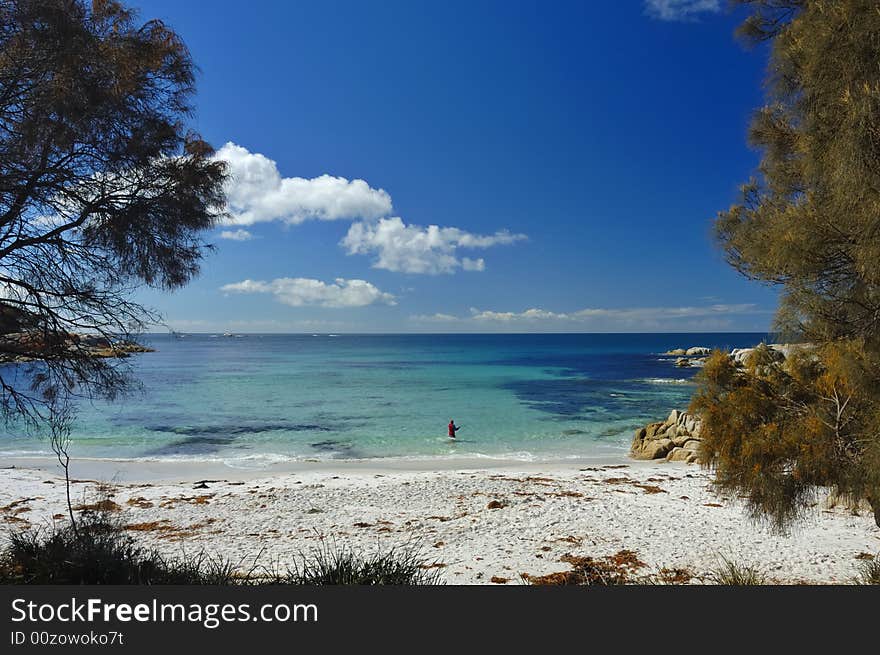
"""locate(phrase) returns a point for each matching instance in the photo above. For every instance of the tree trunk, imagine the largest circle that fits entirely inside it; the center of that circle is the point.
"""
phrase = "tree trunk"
(69, 504)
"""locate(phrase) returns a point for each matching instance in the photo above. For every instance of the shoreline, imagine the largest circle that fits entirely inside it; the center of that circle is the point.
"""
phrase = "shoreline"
(142, 470)
(488, 523)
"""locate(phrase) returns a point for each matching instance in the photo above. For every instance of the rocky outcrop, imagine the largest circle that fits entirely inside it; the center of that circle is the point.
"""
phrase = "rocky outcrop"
(15, 319)
(103, 347)
(677, 439)
(694, 356)
(693, 351)
(21, 347)
(779, 351)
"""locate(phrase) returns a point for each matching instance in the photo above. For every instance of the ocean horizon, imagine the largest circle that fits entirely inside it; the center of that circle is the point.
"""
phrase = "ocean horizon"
(253, 400)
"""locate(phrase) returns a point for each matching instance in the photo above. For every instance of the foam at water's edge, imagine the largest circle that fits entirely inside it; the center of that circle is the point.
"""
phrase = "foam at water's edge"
(26, 453)
(267, 460)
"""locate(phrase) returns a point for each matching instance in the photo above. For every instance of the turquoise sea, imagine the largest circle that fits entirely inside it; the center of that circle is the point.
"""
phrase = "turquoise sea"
(247, 400)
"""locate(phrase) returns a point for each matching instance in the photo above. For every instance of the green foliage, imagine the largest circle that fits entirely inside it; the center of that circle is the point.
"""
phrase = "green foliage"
(338, 565)
(99, 551)
(103, 188)
(774, 431)
(733, 574)
(808, 224)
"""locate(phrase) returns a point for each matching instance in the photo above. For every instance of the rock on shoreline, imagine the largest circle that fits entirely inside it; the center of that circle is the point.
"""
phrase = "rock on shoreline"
(694, 351)
(23, 347)
(677, 439)
(694, 356)
(781, 351)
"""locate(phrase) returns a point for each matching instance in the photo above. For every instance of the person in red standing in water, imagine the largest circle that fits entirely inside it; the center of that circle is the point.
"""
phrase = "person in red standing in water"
(453, 428)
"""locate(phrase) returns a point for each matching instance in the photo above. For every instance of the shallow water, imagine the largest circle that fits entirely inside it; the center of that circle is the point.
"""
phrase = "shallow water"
(256, 399)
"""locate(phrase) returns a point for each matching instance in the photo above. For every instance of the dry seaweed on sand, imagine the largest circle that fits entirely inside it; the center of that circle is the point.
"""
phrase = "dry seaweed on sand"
(617, 569)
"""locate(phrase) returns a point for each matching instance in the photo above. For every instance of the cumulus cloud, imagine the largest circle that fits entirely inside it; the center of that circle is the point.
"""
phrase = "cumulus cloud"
(300, 292)
(415, 249)
(256, 193)
(681, 10)
(469, 264)
(236, 235)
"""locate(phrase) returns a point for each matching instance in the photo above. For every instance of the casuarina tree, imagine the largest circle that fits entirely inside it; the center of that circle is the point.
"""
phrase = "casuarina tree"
(103, 188)
(808, 223)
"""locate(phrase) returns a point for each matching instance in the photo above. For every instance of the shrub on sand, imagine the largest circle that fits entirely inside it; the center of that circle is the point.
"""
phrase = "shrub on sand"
(734, 574)
(100, 552)
(869, 571)
(331, 564)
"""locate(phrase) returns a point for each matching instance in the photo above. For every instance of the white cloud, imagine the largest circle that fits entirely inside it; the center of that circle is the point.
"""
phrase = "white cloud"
(680, 10)
(627, 319)
(416, 249)
(528, 315)
(468, 264)
(257, 193)
(299, 292)
(236, 235)
(627, 314)
(657, 313)
(434, 318)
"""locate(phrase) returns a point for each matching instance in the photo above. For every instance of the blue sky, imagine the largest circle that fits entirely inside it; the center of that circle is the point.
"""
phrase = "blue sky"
(570, 156)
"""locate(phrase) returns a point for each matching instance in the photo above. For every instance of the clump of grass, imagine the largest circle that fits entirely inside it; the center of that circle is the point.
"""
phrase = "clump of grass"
(330, 564)
(869, 571)
(99, 551)
(734, 574)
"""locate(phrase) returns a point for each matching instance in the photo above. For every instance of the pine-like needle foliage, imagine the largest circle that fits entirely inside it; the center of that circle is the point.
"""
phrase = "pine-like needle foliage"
(102, 188)
(808, 223)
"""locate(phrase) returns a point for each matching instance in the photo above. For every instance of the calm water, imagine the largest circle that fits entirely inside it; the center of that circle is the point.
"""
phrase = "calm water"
(254, 399)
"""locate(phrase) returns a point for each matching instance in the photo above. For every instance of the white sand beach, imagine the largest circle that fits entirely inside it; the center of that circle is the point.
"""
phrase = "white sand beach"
(479, 522)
